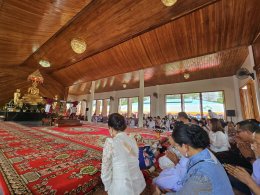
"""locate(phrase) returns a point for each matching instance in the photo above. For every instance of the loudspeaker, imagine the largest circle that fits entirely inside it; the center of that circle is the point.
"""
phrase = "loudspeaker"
(87, 109)
(230, 112)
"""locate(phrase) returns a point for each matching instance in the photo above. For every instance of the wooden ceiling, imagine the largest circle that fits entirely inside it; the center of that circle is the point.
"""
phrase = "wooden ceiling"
(121, 36)
(214, 65)
(24, 27)
(256, 52)
(223, 25)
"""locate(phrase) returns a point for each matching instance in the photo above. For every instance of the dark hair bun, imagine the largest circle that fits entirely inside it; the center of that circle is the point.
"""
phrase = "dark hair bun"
(198, 136)
(117, 122)
(192, 135)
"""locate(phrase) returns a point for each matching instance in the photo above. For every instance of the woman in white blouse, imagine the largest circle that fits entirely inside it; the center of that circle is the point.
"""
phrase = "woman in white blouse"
(120, 171)
(218, 139)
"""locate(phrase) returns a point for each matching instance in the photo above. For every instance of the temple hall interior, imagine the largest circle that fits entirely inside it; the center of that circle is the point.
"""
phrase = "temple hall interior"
(129, 97)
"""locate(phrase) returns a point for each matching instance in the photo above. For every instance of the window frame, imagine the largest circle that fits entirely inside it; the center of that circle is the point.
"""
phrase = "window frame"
(200, 96)
(138, 102)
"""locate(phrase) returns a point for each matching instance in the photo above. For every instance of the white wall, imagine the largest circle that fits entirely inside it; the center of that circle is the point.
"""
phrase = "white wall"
(227, 84)
(249, 64)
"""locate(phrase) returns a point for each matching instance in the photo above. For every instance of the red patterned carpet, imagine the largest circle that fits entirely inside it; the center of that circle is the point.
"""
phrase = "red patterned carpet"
(54, 160)
(34, 162)
(94, 135)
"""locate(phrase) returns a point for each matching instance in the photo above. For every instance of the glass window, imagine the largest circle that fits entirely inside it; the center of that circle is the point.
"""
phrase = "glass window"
(213, 101)
(94, 107)
(123, 106)
(173, 104)
(191, 104)
(133, 103)
(98, 107)
(147, 105)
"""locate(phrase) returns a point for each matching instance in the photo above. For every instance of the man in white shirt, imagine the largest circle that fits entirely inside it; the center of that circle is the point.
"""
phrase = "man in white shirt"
(151, 123)
(132, 122)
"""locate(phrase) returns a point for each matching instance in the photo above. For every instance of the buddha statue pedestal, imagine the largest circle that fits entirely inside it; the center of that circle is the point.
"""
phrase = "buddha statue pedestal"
(33, 100)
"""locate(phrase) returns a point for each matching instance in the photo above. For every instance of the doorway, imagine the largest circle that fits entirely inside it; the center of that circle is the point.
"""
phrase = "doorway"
(248, 101)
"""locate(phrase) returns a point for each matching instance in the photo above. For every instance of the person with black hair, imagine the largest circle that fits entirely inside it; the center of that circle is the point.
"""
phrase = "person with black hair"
(120, 171)
(252, 181)
(205, 174)
(182, 116)
(194, 121)
(246, 130)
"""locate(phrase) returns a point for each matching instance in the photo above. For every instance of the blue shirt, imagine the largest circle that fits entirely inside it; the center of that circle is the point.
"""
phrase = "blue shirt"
(205, 175)
(256, 171)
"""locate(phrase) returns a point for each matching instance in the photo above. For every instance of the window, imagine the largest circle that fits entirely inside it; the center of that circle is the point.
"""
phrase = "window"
(196, 104)
(98, 107)
(147, 105)
(191, 104)
(173, 104)
(94, 107)
(133, 107)
(213, 101)
(129, 106)
(123, 106)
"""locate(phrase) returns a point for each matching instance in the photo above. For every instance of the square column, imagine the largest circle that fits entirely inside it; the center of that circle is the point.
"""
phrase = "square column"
(90, 103)
(141, 99)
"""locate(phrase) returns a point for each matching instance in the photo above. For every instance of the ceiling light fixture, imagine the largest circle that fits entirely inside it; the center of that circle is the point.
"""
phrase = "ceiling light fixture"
(168, 3)
(186, 75)
(45, 63)
(78, 45)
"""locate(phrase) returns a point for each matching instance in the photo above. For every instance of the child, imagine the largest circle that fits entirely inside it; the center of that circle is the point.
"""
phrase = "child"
(172, 174)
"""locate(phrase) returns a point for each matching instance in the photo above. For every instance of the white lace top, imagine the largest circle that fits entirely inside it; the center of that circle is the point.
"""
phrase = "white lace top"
(120, 172)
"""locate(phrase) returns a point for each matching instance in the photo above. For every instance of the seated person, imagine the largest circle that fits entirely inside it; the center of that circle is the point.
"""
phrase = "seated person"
(170, 179)
(146, 155)
(253, 182)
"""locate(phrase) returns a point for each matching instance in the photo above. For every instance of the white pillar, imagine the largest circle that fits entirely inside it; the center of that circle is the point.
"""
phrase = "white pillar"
(239, 116)
(157, 103)
(104, 107)
(129, 106)
(90, 103)
(141, 98)
(252, 62)
(112, 108)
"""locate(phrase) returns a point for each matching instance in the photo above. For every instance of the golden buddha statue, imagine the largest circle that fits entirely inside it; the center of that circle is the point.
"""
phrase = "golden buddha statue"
(17, 100)
(33, 90)
(54, 104)
(33, 96)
